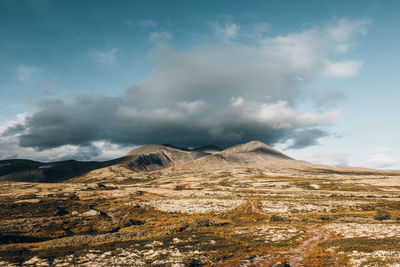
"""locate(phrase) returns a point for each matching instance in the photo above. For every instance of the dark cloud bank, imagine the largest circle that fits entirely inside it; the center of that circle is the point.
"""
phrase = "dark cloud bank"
(87, 119)
(219, 93)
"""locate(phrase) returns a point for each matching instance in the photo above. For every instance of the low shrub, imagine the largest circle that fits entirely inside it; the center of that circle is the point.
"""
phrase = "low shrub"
(205, 222)
(382, 214)
(278, 218)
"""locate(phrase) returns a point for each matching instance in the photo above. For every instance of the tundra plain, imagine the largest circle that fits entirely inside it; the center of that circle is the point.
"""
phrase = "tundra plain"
(165, 206)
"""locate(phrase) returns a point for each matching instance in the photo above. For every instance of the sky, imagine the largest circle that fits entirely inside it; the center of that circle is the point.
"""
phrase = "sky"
(90, 80)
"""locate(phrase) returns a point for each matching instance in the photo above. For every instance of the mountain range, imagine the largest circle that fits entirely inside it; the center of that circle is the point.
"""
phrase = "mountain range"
(151, 158)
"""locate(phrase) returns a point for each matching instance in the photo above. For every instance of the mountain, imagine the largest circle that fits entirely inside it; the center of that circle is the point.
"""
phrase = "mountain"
(148, 161)
(253, 152)
(21, 170)
(154, 157)
(254, 147)
(147, 158)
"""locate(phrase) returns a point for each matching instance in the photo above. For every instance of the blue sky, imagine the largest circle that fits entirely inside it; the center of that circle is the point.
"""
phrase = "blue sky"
(92, 79)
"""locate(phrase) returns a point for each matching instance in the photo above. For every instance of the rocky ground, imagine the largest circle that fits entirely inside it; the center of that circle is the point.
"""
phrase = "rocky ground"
(237, 216)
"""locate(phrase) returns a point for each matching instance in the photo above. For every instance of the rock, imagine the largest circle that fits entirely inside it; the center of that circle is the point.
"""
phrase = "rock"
(176, 240)
(36, 262)
(91, 213)
(155, 243)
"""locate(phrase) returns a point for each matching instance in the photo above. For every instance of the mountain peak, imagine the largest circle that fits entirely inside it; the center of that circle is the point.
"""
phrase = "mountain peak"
(254, 147)
(152, 148)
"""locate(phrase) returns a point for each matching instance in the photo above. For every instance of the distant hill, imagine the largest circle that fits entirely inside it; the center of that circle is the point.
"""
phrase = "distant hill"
(153, 158)
(143, 159)
(21, 170)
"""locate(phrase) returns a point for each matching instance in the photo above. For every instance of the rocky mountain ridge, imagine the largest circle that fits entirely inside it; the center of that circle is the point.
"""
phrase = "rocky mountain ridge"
(147, 158)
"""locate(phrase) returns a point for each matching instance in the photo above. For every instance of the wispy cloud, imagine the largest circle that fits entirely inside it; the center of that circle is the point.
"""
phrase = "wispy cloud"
(194, 107)
(343, 69)
(104, 57)
(147, 23)
(224, 29)
(157, 37)
(237, 102)
(326, 158)
(25, 73)
(383, 157)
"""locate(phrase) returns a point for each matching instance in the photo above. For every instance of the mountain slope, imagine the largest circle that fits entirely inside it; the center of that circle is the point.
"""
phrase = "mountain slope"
(143, 159)
(20, 170)
(255, 147)
(155, 157)
(147, 158)
(151, 161)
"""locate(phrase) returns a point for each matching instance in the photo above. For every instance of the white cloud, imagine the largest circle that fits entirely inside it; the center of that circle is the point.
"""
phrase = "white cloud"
(344, 29)
(342, 48)
(185, 100)
(281, 115)
(26, 73)
(315, 49)
(194, 107)
(104, 57)
(147, 23)
(270, 68)
(237, 102)
(259, 29)
(325, 158)
(384, 157)
(343, 69)
(158, 37)
(98, 150)
(225, 30)
(20, 119)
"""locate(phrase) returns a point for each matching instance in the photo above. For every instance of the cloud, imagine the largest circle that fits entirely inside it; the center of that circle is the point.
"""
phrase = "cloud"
(194, 107)
(317, 47)
(237, 102)
(328, 99)
(157, 37)
(305, 138)
(13, 127)
(104, 57)
(102, 150)
(147, 23)
(196, 96)
(325, 158)
(384, 157)
(259, 29)
(343, 69)
(87, 119)
(281, 115)
(225, 30)
(26, 73)
(76, 123)
(344, 29)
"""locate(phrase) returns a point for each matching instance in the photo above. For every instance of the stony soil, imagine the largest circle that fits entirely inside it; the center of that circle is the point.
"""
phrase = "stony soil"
(183, 216)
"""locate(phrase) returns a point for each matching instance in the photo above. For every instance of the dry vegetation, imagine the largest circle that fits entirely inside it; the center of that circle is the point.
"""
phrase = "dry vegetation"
(273, 215)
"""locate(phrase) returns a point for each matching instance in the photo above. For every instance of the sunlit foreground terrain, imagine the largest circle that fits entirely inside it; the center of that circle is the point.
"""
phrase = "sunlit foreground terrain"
(205, 212)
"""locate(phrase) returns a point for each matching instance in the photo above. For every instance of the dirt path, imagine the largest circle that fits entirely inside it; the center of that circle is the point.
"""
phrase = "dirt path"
(315, 234)
(255, 207)
(295, 257)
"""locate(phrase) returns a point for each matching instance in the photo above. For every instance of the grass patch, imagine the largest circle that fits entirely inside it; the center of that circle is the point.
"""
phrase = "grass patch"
(363, 244)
